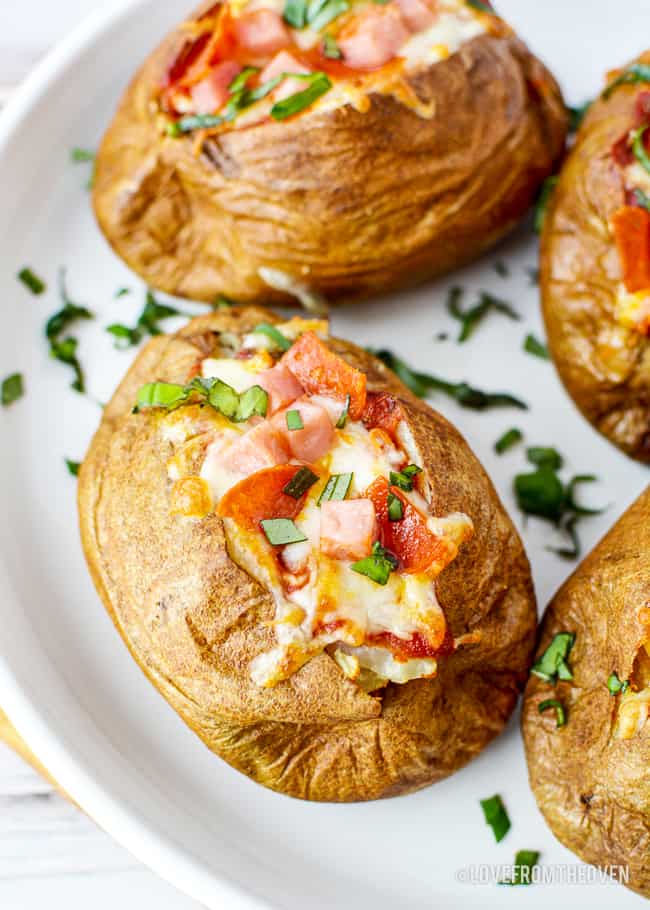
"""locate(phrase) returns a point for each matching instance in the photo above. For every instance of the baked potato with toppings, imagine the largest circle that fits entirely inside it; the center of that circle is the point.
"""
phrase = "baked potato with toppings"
(590, 773)
(595, 264)
(306, 560)
(274, 150)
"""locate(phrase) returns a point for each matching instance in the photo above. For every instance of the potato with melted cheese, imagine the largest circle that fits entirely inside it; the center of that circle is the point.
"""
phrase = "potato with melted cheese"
(595, 263)
(590, 773)
(306, 560)
(275, 150)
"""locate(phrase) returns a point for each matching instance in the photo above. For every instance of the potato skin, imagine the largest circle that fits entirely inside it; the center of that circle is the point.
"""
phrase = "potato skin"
(346, 203)
(592, 788)
(193, 619)
(579, 274)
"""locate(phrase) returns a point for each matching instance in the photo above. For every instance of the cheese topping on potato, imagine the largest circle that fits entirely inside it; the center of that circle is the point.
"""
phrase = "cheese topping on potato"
(246, 62)
(323, 502)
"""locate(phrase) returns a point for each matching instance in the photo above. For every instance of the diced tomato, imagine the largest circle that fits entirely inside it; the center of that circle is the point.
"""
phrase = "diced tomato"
(314, 439)
(631, 225)
(384, 411)
(622, 151)
(211, 93)
(374, 37)
(348, 528)
(417, 14)
(263, 446)
(284, 62)
(263, 32)
(260, 496)
(281, 386)
(321, 372)
(642, 109)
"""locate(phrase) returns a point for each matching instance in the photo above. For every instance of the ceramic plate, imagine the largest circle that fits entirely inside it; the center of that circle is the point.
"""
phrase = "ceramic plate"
(65, 677)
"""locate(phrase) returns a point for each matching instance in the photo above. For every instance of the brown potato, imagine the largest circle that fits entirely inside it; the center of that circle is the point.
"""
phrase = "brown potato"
(604, 365)
(193, 619)
(344, 203)
(590, 777)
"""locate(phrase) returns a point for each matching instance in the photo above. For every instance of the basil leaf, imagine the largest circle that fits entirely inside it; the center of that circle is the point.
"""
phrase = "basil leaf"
(68, 314)
(194, 122)
(301, 481)
(254, 400)
(641, 199)
(281, 531)
(319, 84)
(78, 155)
(501, 269)
(336, 487)
(161, 395)
(395, 508)
(66, 352)
(570, 495)
(12, 389)
(525, 862)
(533, 275)
(279, 340)
(122, 292)
(73, 467)
(496, 816)
(508, 440)
(404, 478)
(378, 566)
(295, 13)
(222, 303)
(340, 423)
(294, 420)
(153, 312)
(617, 686)
(560, 713)
(331, 48)
(125, 336)
(535, 347)
(328, 12)
(633, 74)
(547, 190)
(223, 398)
(540, 493)
(480, 5)
(638, 147)
(35, 284)
(240, 80)
(470, 318)
(553, 662)
(544, 457)
(569, 527)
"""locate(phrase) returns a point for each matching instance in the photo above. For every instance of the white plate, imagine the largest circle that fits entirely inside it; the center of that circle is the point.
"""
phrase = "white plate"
(65, 677)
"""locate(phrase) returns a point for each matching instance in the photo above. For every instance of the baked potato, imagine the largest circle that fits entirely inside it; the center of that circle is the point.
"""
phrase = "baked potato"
(371, 146)
(306, 560)
(589, 765)
(595, 264)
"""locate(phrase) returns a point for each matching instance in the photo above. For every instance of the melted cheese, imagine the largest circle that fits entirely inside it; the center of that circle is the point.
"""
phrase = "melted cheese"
(633, 310)
(633, 710)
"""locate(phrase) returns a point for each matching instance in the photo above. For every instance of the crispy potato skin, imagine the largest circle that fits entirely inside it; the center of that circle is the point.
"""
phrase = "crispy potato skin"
(579, 274)
(193, 619)
(594, 789)
(347, 203)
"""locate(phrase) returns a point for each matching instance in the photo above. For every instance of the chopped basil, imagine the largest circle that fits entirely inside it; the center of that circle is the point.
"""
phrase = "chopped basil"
(552, 664)
(35, 284)
(280, 531)
(617, 686)
(633, 74)
(480, 5)
(540, 493)
(577, 115)
(240, 80)
(638, 147)
(126, 337)
(194, 122)
(543, 199)
(470, 318)
(279, 340)
(466, 396)
(222, 303)
(12, 389)
(395, 507)
(79, 155)
(343, 416)
(641, 199)
(68, 314)
(318, 84)
(496, 816)
(525, 862)
(336, 487)
(535, 347)
(217, 393)
(545, 457)
(295, 13)
(294, 420)
(147, 323)
(560, 713)
(66, 352)
(378, 566)
(501, 269)
(570, 495)
(73, 467)
(122, 292)
(533, 274)
(166, 395)
(327, 12)
(508, 440)
(254, 401)
(568, 526)
(404, 478)
(330, 47)
(301, 481)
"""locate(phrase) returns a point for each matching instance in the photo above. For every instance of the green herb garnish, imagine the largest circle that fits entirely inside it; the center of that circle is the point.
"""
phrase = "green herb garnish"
(404, 479)
(66, 352)
(336, 487)
(327, 12)
(35, 284)
(543, 199)
(501, 269)
(552, 664)
(641, 199)
(279, 340)
(638, 147)
(535, 347)
(122, 292)
(560, 712)
(73, 467)
(240, 80)
(533, 275)
(295, 13)
(12, 389)
(222, 302)
(378, 566)
(540, 493)
(617, 686)
(126, 336)
(330, 47)
(194, 122)
(68, 314)
(281, 531)
(147, 323)
(294, 420)
(508, 440)
(79, 155)
(301, 481)
(480, 5)
(525, 862)
(496, 816)
(254, 401)
(395, 507)
(545, 457)
(577, 115)
(343, 416)
(318, 84)
(215, 392)
(633, 74)
(421, 384)
(470, 318)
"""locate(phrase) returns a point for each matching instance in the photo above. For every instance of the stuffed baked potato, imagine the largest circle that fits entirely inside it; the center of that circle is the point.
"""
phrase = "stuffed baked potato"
(595, 263)
(307, 561)
(590, 774)
(273, 150)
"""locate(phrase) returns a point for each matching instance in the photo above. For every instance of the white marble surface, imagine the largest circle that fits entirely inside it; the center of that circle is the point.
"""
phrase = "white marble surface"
(51, 854)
